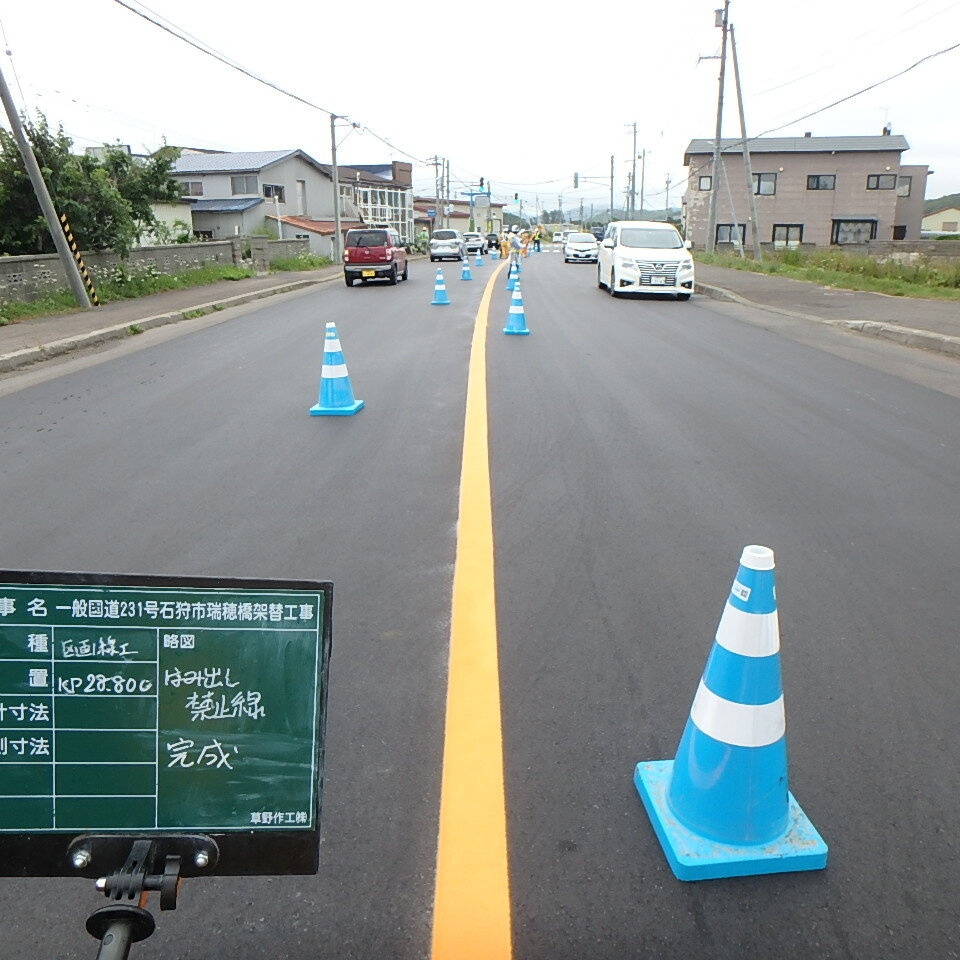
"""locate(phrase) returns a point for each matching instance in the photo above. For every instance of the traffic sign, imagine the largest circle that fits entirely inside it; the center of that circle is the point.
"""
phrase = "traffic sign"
(167, 705)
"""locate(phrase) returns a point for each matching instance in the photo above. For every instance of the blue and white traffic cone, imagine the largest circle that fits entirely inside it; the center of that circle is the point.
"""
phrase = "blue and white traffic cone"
(440, 298)
(495, 254)
(478, 259)
(465, 269)
(516, 318)
(336, 394)
(512, 276)
(721, 808)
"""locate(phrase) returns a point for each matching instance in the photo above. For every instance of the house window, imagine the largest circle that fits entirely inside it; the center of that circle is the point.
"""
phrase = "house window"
(191, 188)
(245, 184)
(903, 186)
(706, 183)
(787, 234)
(853, 231)
(900, 232)
(881, 181)
(949, 226)
(271, 190)
(203, 234)
(822, 181)
(727, 232)
(764, 184)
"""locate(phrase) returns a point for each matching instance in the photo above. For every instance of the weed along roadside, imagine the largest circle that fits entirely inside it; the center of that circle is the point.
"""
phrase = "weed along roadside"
(931, 279)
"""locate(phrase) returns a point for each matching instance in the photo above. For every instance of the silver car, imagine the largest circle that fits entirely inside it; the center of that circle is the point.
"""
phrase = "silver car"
(447, 245)
(580, 246)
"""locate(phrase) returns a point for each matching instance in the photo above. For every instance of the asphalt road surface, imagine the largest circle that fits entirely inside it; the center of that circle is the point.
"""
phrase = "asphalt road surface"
(635, 447)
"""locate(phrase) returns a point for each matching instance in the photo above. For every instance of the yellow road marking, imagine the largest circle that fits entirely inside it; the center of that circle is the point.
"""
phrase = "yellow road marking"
(471, 919)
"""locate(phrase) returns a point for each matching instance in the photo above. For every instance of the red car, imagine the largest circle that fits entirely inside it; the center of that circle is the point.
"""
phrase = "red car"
(374, 253)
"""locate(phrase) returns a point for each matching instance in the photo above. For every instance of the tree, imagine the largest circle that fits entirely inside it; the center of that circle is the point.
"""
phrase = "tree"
(107, 204)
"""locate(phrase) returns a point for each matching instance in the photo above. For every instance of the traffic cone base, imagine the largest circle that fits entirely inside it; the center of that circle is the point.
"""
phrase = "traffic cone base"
(694, 857)
(317, 411)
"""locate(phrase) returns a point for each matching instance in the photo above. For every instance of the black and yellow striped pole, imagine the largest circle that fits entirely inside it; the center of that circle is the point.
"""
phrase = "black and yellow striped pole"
(81, 266)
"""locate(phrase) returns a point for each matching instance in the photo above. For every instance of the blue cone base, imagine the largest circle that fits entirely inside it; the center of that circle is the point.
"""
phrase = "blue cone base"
(693, 857)
(439, 303)
(347, 411)
(517, 333)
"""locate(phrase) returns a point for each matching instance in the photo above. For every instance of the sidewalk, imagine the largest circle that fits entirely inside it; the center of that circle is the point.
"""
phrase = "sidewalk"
(37, 338)
(932, 324)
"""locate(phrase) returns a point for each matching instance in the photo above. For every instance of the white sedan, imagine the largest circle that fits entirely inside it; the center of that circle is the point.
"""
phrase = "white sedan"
(580, 247)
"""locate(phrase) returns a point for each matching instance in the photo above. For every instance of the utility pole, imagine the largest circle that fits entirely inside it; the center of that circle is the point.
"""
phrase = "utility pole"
(70, 268)
(435, 162)
(581, 214)
(633, 175)
(747, 167)
(738, 242)
(337, 231)
(722, 17)
(446, 193)
(643, 175)
(611, 186)
(666, 202)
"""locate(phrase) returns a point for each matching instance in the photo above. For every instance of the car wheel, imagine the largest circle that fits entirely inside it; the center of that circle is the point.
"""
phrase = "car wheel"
(348, 281)
(392, 276)
(599, 278)
(683, 296)
(433, 259)
(612, 286)
(406, 269)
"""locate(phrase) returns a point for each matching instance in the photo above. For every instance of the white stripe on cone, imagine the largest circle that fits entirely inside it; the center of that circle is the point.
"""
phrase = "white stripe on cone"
(749, 634)
(738, 724)
(332, 346)
(333, 372)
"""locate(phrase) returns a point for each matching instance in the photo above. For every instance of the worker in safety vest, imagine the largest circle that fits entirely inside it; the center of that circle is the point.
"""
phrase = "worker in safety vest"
(516, 246)
(504, 244)
(536, 238)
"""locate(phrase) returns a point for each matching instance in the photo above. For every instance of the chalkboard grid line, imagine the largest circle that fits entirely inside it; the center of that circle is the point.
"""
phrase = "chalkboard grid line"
(156, 744)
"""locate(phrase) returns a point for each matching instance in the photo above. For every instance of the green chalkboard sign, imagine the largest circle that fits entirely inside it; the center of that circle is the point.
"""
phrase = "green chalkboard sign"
(161, 705)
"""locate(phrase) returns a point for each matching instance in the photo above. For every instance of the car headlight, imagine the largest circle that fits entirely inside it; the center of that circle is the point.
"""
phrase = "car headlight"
(628, 264)
(686, 265)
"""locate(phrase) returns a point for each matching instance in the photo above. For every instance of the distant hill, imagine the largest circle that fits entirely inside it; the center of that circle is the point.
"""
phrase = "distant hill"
(950, 200)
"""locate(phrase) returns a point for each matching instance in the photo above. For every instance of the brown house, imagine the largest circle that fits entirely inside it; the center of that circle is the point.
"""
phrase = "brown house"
(810, 190)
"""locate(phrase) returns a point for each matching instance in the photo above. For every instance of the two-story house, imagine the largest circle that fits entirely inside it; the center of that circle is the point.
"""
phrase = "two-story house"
(811, 190)
(280, 193)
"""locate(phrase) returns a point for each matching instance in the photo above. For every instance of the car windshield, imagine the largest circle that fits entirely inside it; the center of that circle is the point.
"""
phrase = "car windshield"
(651, 239)
(444, 234)
(581, 238)
(471, 236)
(366, 238)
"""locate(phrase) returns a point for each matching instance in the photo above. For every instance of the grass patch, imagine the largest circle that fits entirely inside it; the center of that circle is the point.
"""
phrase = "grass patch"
(135, 328)
(120, 286)
(193, 314)
(935, 281)
(302, 261)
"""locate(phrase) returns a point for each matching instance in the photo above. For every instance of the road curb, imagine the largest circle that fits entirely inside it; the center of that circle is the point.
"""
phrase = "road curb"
(908, 336)
(56, 348)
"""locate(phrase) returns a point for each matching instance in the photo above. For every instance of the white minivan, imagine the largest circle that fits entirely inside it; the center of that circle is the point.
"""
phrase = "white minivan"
(644, 256)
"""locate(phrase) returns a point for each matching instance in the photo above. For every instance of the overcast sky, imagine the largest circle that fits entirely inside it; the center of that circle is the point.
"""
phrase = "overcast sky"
(523, 93)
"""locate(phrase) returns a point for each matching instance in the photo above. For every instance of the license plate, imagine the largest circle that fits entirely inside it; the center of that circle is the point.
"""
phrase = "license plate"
(368, 273)
(658, 280)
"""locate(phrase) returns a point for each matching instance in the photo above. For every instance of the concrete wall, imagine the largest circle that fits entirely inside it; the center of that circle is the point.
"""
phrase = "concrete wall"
(28, 278)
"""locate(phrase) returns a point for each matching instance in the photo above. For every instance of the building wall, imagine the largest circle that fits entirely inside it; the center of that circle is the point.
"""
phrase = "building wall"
(934, 222)
(793, 203)
(170, 215)
(223, 226)
(910, 208)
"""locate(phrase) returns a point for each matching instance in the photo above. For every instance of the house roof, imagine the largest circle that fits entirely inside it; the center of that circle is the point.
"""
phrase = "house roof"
(949, 206)
(362, 174)
(454, 214)
(465, 202)
(226, 205)
(324, 227)
(802, 144)
(240, 162)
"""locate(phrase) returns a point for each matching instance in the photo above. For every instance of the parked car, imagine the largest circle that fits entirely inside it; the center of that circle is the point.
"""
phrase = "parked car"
(644, 256)
(493, 241)
(374, 254)
(580, 247)
(559, 236)
(447, 245)
(474, 243)
(598, 232)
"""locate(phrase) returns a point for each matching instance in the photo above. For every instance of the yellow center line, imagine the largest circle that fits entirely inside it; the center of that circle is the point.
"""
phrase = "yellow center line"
(471, 919)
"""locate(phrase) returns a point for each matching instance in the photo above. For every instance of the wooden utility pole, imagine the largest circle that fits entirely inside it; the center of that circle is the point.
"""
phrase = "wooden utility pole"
(747, 168)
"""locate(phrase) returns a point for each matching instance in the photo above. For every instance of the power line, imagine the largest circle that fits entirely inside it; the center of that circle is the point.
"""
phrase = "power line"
(176, 31)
